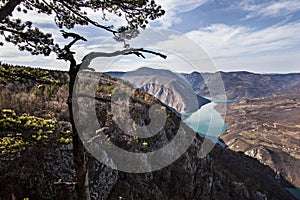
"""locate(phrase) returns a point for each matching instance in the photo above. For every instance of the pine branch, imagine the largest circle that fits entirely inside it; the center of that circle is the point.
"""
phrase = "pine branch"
(8, 8)
(107, 28)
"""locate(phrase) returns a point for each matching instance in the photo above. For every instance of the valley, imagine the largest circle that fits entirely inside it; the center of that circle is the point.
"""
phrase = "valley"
(36, 145)
(267, 128)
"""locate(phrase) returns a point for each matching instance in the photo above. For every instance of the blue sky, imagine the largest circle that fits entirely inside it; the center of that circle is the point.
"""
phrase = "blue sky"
(250, 35)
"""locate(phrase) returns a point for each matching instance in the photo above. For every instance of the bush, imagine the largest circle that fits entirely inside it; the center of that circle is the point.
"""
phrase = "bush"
(19, 132)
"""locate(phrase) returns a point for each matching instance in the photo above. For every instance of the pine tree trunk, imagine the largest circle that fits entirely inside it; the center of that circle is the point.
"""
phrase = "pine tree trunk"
(82, 187)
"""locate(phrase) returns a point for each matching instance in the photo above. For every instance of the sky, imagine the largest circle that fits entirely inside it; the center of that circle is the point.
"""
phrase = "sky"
(259, 36)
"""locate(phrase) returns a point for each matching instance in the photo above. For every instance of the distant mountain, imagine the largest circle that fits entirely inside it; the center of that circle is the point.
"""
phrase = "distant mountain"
(170, 88)
(115, 74)
(244, 84)
(239, 84)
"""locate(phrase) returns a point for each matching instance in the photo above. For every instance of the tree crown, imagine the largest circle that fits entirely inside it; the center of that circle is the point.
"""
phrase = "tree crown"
(67, 14)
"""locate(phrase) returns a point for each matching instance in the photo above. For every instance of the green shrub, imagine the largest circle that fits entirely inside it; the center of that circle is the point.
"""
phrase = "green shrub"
(19, 132)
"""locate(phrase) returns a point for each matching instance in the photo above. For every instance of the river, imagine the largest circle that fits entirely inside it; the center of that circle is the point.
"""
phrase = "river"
(207, 122)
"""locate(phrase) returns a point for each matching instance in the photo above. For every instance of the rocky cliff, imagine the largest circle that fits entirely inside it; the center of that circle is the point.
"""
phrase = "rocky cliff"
(47, 173)
(170, 88)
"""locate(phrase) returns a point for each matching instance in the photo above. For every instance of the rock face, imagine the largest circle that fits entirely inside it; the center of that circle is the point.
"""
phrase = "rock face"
(43, 173)
(170, 88)
(32, 174)
(47, 172)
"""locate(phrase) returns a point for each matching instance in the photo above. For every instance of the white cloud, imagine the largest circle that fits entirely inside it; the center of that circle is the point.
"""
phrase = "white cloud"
(11, 54)
(229, 44)
(173, 7)
(222, 40)
(230, 47)
(270, 9)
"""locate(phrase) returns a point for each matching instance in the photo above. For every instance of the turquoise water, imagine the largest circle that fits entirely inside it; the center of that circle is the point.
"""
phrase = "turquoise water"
(295, 192)
(207, 122)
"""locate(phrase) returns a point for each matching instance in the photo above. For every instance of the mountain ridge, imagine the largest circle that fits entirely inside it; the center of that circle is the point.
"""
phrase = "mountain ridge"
(240, 84)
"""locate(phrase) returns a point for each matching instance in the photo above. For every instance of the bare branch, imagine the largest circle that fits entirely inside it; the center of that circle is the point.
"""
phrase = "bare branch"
(97, 136)
(75, 37)
(136, 51)
(66, 53)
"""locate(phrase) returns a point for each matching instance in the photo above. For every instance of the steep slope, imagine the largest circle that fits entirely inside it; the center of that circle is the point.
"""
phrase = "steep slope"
(170, 88)
(46, 172)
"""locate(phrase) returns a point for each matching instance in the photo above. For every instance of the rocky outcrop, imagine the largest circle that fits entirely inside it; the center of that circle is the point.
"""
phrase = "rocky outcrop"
(47, 173)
